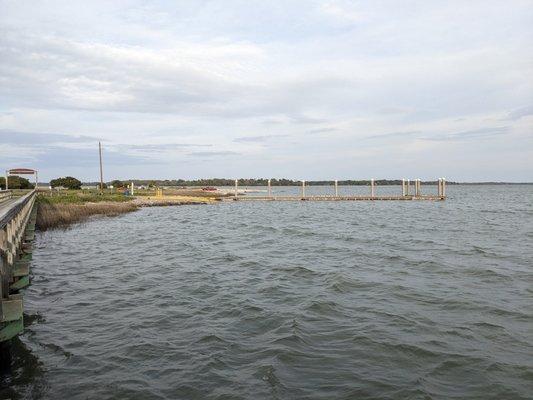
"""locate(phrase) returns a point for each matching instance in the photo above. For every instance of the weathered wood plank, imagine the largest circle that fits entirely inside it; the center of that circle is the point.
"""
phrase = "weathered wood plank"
(21, 269)
(11, 310)
(11, 330)
(21, 283)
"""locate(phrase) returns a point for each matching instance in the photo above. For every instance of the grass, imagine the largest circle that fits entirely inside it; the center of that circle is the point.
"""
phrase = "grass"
(81, 197)
(65, 208)
(50, 215)
(61, 209)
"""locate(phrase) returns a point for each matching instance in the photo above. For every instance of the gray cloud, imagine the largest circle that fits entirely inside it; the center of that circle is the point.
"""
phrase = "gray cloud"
(520, 112)
(258, 139)
(481, 133)
(188, 74)
(393, 135)
(321, 130)
(28, 138)
(213, 153)
(158, 147)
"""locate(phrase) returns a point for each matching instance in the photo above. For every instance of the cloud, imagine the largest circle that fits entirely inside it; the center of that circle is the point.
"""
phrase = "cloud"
(181, 87)
(28, 138)
(213, 153)
(520, 112)
(475, 134)
(258, 139)
(162, 147)
(395, 135)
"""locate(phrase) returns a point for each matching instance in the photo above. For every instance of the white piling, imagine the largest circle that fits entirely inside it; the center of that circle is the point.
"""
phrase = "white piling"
(443, 187)
(269, 189)
(236, 187)
(407, 187)
(372, 191)
(132, 189)
(403, 187)
(336, 188)
(303, 188)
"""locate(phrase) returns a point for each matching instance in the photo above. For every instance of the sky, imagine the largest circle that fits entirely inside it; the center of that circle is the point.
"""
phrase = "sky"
(298, 89)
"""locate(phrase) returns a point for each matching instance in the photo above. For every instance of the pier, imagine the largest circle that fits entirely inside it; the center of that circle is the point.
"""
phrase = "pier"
(406, 194)
(17, 231)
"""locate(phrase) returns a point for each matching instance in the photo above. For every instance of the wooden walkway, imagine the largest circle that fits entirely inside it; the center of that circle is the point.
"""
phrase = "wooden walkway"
(17, 231)
(335, 198)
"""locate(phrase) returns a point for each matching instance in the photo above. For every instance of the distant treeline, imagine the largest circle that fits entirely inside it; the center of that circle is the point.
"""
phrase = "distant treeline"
(261, 182)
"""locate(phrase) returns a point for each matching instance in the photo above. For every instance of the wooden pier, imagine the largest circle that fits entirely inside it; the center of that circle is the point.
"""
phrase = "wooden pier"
(17, 232)
(373, 196)
(333, 198)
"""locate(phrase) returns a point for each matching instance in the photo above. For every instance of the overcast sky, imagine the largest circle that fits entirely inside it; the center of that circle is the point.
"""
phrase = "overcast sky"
(298, 89)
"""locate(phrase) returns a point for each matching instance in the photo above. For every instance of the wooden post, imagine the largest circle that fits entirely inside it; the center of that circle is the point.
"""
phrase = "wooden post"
(236, 187)
(407, 187)
(303, 188)
(101, 169)
(336, 188)
(269, 189)
(443, 187)
(403, 187)
(372, 191)
(417, 188)
(439, 188)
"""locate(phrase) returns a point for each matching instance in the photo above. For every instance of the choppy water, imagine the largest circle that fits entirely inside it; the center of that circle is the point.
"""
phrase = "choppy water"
(304, 300)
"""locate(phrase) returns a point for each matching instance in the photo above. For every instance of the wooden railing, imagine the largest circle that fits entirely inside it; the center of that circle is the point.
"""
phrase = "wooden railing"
(17, 225)
(5, 195)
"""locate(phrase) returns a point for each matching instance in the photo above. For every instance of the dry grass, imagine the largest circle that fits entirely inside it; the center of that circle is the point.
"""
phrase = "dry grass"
(171, 200)
(62, 215)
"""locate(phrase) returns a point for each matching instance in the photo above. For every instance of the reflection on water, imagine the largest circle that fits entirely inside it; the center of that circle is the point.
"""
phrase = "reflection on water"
(25, 379)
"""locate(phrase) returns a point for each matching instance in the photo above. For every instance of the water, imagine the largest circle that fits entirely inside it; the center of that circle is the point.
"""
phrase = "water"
(287, 300)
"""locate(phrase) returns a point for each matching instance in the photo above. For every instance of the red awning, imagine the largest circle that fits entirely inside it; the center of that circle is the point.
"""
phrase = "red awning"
(21, 171)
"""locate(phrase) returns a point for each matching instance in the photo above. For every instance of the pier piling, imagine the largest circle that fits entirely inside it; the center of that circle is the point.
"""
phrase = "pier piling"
(269, 189)
(303, 189)
(372, 187)
(236, 187)
(336, 188)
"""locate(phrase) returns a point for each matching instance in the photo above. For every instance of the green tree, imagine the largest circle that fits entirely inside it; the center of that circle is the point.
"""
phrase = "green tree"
(16, 182)
(68, 182)
(117, 184)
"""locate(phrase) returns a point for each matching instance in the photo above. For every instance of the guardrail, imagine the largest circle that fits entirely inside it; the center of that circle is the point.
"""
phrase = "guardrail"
(15, 220)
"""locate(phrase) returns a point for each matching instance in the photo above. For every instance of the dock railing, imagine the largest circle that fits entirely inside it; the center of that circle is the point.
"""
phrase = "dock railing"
(407, 194)
(17, 225)
(5, 195)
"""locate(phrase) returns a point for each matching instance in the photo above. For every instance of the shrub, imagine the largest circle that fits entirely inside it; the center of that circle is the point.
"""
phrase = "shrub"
(68, 182)
(16, 182)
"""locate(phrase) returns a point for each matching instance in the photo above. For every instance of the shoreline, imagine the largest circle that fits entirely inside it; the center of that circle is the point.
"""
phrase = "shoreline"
(62, 215)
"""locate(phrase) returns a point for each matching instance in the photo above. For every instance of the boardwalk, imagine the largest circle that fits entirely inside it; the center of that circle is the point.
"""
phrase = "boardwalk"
(334, 198)
(17, 226)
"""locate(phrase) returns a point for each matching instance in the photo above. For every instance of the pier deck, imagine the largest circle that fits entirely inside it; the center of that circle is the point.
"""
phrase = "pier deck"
(334, 198)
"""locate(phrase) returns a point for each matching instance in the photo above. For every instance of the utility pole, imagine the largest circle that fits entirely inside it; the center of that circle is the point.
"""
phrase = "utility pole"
(101, 170)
